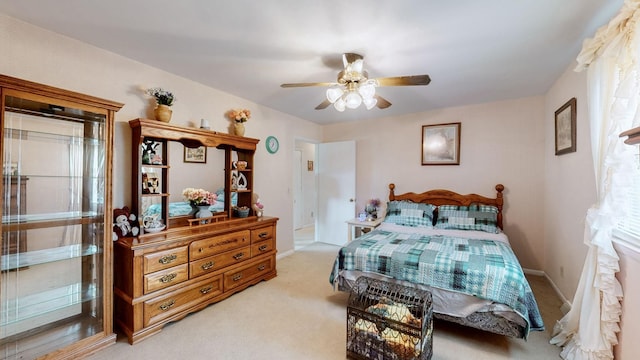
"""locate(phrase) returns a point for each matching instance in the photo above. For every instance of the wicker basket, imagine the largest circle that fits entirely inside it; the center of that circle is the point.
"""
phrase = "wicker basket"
(388, 321)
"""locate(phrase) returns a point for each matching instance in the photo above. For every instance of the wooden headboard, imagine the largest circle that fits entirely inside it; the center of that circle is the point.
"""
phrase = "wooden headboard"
(447, 197)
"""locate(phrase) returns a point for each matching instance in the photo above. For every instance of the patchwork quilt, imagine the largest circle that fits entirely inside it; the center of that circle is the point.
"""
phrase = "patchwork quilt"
(487, 269)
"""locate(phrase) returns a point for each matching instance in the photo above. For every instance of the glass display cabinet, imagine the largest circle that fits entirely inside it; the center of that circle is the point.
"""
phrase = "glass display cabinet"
(56, 266)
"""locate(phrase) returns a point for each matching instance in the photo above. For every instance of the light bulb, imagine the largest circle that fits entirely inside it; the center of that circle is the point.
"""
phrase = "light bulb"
(339, 105)
(334, 93)
(367, 90)
(370, 102)
(352, 100)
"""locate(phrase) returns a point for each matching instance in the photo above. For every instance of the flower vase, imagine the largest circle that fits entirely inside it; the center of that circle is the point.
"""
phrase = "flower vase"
(194, 210)
(203, 212)
(238, 129)
(163, 113)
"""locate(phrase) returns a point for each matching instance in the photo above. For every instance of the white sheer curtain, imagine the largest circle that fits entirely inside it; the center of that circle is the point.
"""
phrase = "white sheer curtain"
(588, 330)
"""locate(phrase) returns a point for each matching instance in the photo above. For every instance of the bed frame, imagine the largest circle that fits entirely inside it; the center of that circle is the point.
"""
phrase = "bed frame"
(480, 320)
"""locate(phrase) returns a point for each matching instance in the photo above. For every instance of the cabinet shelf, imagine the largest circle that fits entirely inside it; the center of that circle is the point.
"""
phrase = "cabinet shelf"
(63, 301)
(39, 221)
(38, 257)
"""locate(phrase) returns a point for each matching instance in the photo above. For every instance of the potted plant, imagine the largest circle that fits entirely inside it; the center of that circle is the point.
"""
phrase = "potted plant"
(164, 100)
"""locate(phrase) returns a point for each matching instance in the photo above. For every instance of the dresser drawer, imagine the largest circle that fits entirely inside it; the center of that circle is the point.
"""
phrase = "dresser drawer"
(162, 307)
(164, 278)
(211, 246)
(248, 272)
(217, 262)
(263, 247)
(261, 234)
(165, 259)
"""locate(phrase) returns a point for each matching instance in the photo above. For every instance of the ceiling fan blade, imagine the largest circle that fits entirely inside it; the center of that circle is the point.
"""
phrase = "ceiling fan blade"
(350, 58)
(404, 80)
(382, 102)
(307, 84)
(323, 105)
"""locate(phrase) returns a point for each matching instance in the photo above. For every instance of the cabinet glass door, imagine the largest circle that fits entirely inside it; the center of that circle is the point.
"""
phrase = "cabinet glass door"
(51, 289)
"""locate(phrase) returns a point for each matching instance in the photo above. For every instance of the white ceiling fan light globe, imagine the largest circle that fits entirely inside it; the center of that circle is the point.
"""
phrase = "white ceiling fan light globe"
(370, 102)
(334, 93)
(352, 100)
(367, 90)
(339, 105)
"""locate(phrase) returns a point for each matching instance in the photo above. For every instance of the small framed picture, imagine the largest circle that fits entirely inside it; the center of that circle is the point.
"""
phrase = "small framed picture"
(195, 155)
(309, 165)
(566, 128)
(441, 144)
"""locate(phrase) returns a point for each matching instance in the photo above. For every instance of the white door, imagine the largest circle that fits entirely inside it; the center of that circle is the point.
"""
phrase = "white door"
(336, 190)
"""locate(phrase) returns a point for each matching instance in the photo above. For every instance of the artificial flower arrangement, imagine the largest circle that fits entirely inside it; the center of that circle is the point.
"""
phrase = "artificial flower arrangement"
(199, 197)
(163, 97)
(239, 116)
(371, 208)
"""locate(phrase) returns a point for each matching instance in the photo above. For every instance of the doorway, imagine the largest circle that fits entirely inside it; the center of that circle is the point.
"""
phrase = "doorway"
(305, 194)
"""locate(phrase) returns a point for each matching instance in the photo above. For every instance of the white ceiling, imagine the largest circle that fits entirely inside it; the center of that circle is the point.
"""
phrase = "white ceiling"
(474, 51)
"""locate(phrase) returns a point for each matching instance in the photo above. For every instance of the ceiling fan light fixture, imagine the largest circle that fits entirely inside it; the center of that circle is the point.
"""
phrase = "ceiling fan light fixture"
(370, 102)
(352, 100)
(339, 105)
(334, 93)
(367, 90)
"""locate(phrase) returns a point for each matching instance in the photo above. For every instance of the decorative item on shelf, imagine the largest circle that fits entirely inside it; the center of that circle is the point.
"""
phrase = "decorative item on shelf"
(200, 200)
(239, 117)
(372, 209)
(204, 124)
(258, 207)
(241, 165)
(149, 155)
(164, 101)
(152, 223)
(241, 211)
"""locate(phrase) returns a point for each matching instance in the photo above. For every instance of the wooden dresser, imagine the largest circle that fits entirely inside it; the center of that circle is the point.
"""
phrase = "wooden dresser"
(180, 271)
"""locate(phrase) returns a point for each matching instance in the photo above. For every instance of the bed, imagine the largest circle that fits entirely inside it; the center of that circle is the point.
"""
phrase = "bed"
(452, 245)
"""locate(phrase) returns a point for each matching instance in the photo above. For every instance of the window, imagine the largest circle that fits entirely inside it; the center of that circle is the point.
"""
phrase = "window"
(628, 230)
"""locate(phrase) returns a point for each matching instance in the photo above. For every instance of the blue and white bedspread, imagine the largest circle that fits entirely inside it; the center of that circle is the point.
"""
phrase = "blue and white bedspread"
(486, 269)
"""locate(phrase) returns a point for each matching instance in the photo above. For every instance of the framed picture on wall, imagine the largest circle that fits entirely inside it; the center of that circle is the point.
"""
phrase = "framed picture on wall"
(566, 128)
(441, 144)
(195, 155)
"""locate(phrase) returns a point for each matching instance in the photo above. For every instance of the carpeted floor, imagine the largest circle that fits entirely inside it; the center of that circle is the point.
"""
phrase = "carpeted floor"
(298, 315)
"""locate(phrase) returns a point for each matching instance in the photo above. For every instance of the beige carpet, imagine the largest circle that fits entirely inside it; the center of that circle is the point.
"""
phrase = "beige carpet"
(297, 315)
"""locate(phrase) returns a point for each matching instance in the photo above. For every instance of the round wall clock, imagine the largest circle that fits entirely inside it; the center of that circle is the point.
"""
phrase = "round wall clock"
(272, 144)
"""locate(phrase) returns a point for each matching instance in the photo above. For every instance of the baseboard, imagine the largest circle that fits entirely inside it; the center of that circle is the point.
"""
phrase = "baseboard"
(566, 305)
(284, 254)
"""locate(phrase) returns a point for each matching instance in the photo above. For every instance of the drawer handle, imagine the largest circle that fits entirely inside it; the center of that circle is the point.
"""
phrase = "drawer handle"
(263, 248)
(262, 267)
(207, 265)
(166, 306)
(263, 235)
(167, 259)
(238, 256)
(206, 289)
(237, 276)
(168, 278)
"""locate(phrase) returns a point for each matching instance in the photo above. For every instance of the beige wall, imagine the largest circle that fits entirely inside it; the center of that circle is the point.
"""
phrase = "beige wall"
(569, 192)
(501, 142)
(38, 55)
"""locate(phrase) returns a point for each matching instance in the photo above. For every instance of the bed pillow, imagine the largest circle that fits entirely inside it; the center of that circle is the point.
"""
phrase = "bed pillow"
(473, 217)
(408, 213)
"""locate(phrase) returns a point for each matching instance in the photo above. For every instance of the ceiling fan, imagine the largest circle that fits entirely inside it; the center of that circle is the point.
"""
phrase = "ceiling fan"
(354, 88)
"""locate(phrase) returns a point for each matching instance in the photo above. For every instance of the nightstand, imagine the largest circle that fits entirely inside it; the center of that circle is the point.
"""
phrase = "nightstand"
(357, 226)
